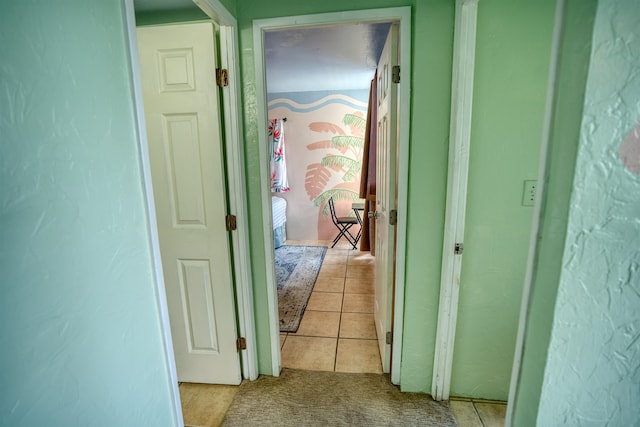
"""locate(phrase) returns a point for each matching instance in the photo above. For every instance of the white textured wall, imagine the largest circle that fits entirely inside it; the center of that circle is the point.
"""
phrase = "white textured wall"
(593, 370)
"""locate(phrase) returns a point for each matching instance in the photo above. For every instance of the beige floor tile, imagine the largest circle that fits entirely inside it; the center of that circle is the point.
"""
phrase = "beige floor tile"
(465, 413)
(205, 404)
(337, 251)
(357, 325)
(282, 338)
(358, 286)
(357, 303)
(361, 271)
(358, 356)
(332, 270)
(491, 414)
(338, 259)
(325, 301)
(310, 353)
(319, 324)
(361, 258)
(343, 244)
(329, 284)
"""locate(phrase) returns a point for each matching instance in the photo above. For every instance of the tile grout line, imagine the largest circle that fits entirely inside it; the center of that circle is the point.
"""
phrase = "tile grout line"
(350, 254)
(335, 356)
(477, 413)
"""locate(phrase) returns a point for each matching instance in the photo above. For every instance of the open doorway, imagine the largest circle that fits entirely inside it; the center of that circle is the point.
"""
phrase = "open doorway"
(325, 132)
(319, 95)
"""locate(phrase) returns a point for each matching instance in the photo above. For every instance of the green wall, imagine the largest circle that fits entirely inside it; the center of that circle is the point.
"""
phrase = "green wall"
(79, 324)
(575, 51)
(432, 39)
(512, 67)
(511, 72)
(432, 47)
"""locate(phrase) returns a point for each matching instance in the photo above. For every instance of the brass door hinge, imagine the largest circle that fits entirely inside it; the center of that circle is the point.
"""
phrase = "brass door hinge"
(395, 74)
(222, 77)
(231, 222)
(389, 338)
(241, 344)
(393, 217)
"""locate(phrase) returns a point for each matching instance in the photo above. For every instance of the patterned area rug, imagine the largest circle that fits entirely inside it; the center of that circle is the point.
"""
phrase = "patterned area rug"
(307, 398)
(297, 269)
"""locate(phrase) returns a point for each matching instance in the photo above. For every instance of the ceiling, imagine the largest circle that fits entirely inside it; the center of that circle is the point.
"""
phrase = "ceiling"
(337, 57)
(326, 58)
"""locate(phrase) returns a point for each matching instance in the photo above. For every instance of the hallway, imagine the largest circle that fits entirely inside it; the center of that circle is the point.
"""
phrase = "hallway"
(337, 332)
(205, 405)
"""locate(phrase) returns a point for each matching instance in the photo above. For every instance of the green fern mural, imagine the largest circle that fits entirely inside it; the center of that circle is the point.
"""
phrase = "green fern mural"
(343, 159)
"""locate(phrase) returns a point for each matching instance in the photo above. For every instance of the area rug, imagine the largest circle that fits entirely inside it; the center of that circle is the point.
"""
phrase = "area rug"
(307, 398)
(297, 269)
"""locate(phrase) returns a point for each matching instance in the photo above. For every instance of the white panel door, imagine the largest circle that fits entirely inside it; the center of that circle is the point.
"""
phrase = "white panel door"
(178, 65)
(386, 160)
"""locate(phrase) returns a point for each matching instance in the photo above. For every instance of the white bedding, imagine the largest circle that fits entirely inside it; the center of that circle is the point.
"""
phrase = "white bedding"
(279, 210)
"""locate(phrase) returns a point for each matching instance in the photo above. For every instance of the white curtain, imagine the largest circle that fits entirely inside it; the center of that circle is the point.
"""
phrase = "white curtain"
(279, 182)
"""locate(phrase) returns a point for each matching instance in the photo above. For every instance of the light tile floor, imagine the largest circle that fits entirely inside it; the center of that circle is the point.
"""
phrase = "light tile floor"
(337, 331)
(478, 412)
(205, 405)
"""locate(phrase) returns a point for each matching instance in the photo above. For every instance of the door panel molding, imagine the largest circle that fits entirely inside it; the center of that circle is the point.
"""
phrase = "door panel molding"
(187, 168)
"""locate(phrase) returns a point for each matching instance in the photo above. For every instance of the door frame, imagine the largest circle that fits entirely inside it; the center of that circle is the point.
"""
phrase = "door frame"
(235, 176)
(401, 15)
(236, 185)
(458, 169)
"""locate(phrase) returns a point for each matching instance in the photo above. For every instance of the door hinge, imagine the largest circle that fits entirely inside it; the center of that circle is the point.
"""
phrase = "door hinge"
(393, 217)
(231, 222)
(241, 343)
(389, 338)
(395, 74)
(222, 77)
(458, 248)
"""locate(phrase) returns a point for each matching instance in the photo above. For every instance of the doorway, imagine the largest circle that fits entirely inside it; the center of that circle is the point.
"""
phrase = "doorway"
(319, 94)
(261, 28)
(226, 37)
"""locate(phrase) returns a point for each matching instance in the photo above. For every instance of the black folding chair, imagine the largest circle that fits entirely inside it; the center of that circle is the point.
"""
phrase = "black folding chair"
(343, 224)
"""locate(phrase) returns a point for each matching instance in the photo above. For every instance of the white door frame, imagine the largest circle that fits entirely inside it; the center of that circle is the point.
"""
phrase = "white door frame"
(237, 204)
(398, 14)
(234, 144)
(459, 143)
(152, 224)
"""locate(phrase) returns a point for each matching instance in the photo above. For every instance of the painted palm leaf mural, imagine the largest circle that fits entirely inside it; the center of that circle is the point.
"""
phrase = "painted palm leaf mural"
(342, 160)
